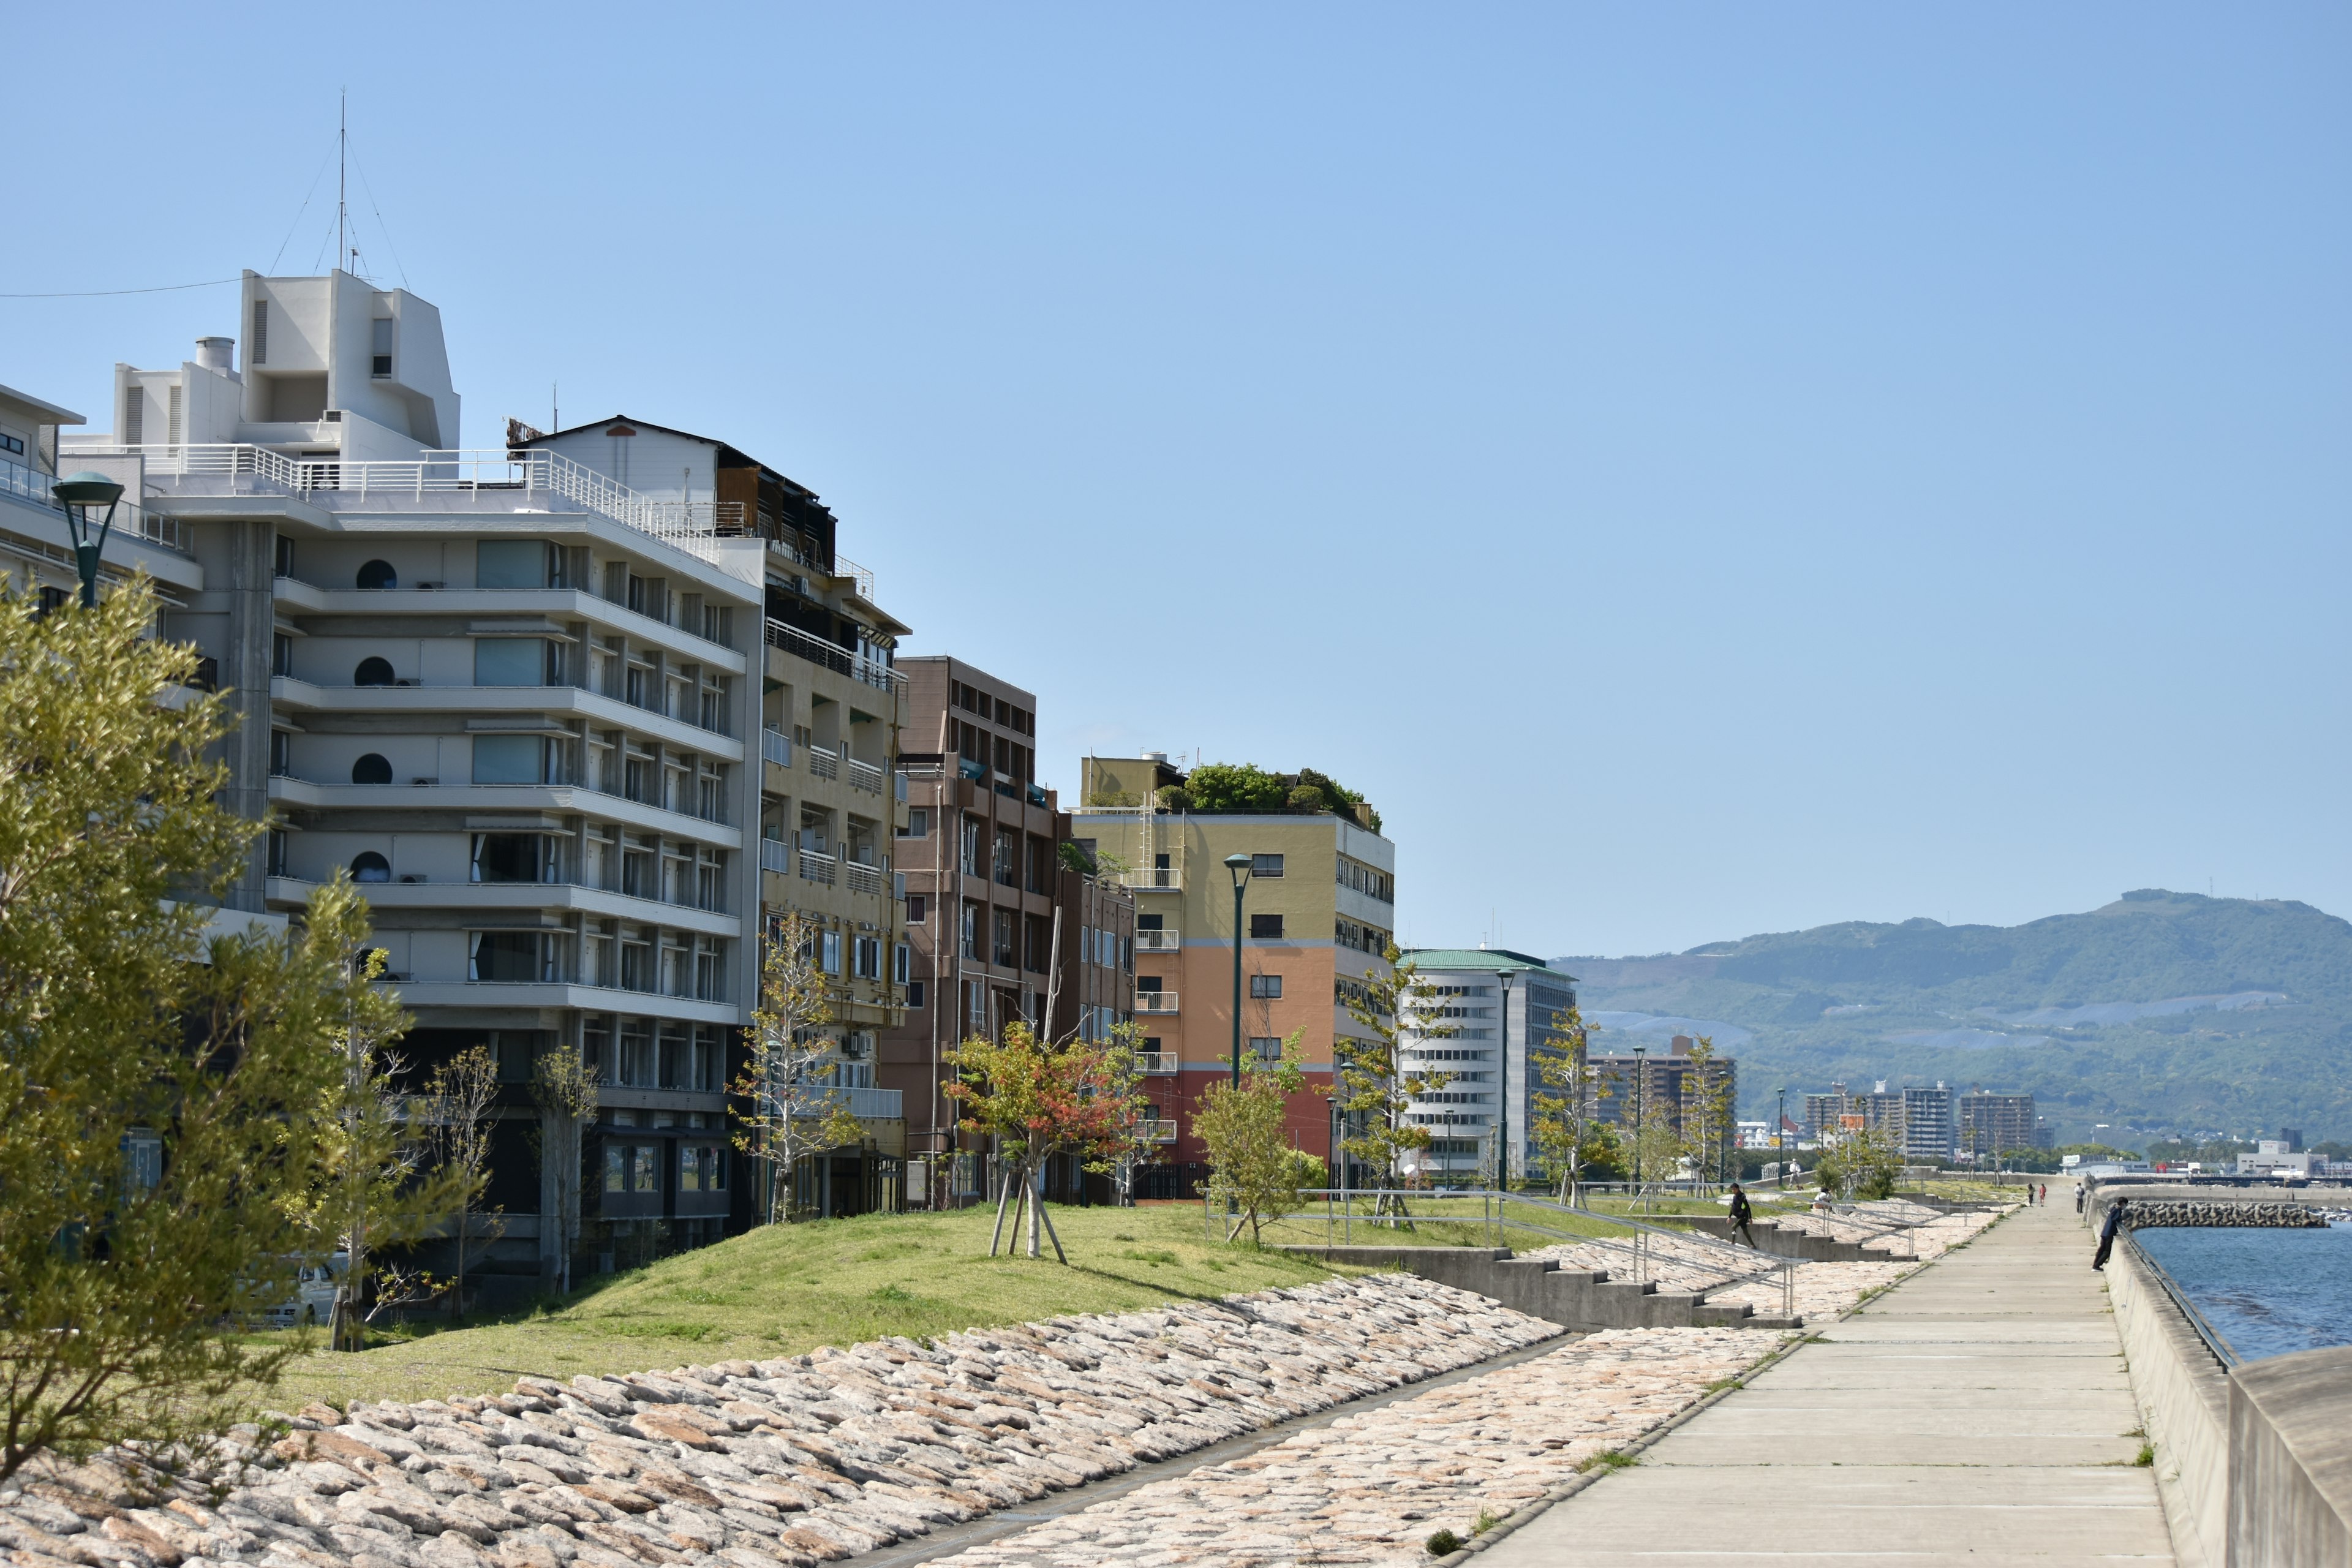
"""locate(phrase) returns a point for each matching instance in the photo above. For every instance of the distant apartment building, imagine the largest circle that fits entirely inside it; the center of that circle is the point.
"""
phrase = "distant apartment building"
(1319, 914)
(1663, 1088)
(1991, 1125)
(1929, 1123)
(1489, 1030)
(980, 850)
(518, 694)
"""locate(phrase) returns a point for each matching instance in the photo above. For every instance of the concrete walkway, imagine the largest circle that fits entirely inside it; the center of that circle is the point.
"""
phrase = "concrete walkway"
(1979, 1412)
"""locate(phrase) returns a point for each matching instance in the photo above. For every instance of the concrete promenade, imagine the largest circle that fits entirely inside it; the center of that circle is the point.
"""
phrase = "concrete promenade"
(1979, 1412)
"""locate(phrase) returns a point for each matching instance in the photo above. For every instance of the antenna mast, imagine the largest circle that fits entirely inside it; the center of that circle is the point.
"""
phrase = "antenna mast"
(343, 152)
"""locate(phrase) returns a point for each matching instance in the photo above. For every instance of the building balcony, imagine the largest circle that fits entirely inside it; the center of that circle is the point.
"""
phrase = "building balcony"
(1155, 1131)
(776, 855)
(864, 775)
(25, 483)
(862, 878)
(834, 658)
(1155, 879)
(1158, 1003)
(824, 764)
(1155, 1064)
(866, 1104)
(823, 869)
(1159, 941)
(777, 747)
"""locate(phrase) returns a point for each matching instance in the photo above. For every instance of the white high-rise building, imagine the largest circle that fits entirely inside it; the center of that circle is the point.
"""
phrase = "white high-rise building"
(1502, 1009)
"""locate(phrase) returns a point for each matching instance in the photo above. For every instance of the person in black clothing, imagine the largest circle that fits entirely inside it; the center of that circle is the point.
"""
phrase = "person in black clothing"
(1741, 1215)
(2107, 1233)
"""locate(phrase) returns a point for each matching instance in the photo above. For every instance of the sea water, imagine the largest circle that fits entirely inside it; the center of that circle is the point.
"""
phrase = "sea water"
(2266, 1292)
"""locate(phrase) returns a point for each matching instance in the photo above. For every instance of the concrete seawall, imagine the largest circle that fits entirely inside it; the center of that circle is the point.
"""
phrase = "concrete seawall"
(2254, 1463)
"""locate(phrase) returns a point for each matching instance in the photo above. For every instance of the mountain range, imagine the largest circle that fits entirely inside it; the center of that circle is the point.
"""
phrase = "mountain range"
(2160, 1014)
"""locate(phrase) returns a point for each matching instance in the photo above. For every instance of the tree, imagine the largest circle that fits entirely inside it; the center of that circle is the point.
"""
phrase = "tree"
(1235, 786)
(791, 1110)
(1253, 1169)
(457, 1107)
(156, 1088)
(376, 1195)
(1567, 1125)
(1037, 1099)
(1864, 1163)
(564, 1087)
(1707, 1112)
(1372, 1089)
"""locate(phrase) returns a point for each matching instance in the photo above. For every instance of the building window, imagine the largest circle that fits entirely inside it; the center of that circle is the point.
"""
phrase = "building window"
(616, 1167)
(829, 952)
(370, 867)
(901, 963)
(380, 346)
(1008, 873)
(257, 348)
(970, 861)
(1266, 1047)
(1266, 925)
(918, 824)
(915, 995)
(1265, 865)
(1001, 944)
(1265, 987)
(373, 671)
(12, 445)
(970, 947)
(377, 575)
(917, 909)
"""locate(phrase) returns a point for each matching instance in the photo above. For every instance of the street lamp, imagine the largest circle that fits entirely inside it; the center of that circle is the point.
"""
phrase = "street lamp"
(80, 494)
(1641, 1111)
(1503, 1090)
(1239, 865)
(1780, 1132)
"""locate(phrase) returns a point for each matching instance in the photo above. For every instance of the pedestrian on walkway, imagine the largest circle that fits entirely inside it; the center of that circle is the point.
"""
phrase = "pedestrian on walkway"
(2045, 1195)
(2078, 1197)
(2107, 1233)
(1742, 1216)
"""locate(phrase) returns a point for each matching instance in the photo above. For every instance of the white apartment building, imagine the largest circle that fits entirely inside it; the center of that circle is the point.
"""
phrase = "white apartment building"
(516, 695)
(1502, 1008)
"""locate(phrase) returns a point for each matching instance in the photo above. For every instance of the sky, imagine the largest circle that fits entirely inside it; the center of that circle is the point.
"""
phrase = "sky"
(1699, 470)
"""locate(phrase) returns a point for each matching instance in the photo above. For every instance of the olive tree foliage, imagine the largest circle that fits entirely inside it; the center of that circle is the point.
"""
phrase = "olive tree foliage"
(1373, 1086)
(1254, 1170)
(159, 1090)
(790, 1108)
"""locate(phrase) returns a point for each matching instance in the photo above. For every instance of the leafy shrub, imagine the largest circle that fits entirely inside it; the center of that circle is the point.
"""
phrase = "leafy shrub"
(1235, 786)
(1444, 1543)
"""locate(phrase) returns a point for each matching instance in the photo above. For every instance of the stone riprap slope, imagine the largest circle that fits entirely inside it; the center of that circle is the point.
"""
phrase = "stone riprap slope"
(1371, 1487)
(800, 1460)
(2144, 1212)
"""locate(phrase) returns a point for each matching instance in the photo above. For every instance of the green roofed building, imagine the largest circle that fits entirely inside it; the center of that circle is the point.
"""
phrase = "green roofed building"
(1502, 1006)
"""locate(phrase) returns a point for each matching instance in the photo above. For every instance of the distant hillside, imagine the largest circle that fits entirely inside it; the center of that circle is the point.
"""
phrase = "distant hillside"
(2160, 1012)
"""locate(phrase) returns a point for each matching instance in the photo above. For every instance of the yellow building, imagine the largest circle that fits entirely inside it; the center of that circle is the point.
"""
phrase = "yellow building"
(1317, 912)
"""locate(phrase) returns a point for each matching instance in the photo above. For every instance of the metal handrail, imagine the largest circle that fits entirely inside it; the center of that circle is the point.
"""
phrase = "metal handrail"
(2223, 1350)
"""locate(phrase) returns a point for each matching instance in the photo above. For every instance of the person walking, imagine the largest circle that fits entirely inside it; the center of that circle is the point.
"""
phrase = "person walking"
(1742, 1216)
(2107, 1233)
(2045, 1195)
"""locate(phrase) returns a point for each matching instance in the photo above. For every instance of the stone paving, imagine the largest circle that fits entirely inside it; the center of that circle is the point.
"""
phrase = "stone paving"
(1371, 1488)
(795, 1461)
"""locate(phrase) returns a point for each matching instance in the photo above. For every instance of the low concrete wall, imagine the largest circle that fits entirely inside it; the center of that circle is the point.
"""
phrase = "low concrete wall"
(1574, 1299)
(2183, 1393)
(1805, 1243)
(2291, 1460)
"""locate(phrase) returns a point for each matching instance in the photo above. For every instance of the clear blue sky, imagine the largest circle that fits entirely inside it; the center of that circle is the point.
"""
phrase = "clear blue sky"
(1700, 469)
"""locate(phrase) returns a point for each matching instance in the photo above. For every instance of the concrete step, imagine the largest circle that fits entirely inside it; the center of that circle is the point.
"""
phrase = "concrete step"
(1582, 1299)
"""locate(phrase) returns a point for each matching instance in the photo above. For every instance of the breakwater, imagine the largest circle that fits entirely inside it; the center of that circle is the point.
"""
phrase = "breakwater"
(2144, 1214)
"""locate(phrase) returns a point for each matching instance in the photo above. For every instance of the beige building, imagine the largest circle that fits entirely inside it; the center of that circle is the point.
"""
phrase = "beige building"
(1318, 910)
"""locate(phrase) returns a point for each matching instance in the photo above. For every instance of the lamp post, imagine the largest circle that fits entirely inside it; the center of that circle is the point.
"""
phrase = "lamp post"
(1640, 1108)
(1503, 1088)
(1780, 1132)
(1239, 865)
(80, 494)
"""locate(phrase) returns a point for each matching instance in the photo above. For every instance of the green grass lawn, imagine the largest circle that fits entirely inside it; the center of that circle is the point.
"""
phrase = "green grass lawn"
(785, 1289)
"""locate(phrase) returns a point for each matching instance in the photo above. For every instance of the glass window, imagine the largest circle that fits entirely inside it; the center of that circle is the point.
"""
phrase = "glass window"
(1265, 865)
(377, 575)
(510, 564)
(509, 661)
(1266, 925)
(616, 1168)
(373, 671)
(648, 1177)
(689, 1168)
(507, 759)
(371, 769)
(370, 866)
(1265, 987)
(512, 956)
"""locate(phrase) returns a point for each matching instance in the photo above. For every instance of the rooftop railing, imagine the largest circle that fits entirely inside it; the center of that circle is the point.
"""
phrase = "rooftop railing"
(26, 483)
(834, 657)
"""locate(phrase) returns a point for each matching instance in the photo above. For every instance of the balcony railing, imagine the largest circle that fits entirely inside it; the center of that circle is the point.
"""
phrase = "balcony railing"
(236, 468)
(1155, 1001)
(31, 484)
(777, 747)
(834, 657)
(843, 566)
(866, 1104)
(1160, 879)
(817, 867)
(863, 879)
(1156, 1131)
(1155, 1064)
(775, 855)
(1159, 941)
(864, 775)
(824, 764)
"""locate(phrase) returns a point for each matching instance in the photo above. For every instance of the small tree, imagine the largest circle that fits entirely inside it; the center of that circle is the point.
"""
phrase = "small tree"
(565, 1086)
(790, 1108)
(157, 1090)
(1864, 1164)
(1370, 1081)
(458, 1105)
(1567, 1125)
(1037, 1099)
(1707, 1111)
(1253, 1169)
(373, 1146)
